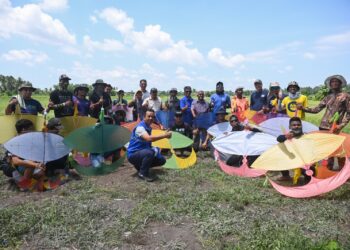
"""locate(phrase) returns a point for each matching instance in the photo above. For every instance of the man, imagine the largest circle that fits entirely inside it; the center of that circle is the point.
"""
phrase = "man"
(296, 131)
(180, 126)
(294, 98)
(99, 99)
(199, 107)
(136, 104)
(219, 100)
(24, 102)
(220, 117)
(140, 152)
(275, 97)
(61, 100)
(120, 108)
(143, 86)
(79, 99)
(335, 101)
(258, 99)
(239, 104)
(185, 105)
(153, 102)
(108, 89)
(172, 104)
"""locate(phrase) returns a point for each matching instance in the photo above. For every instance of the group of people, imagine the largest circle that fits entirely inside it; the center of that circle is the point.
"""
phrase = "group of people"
(187, 110)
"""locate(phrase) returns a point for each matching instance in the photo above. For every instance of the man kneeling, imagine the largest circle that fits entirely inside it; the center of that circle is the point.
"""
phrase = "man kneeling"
(140, 151)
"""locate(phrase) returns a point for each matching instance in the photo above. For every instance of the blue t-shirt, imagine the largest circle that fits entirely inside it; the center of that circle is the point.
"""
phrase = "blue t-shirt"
(258, 100)
(220, 101)
(83, 106)
(33, 107)
(187, 115)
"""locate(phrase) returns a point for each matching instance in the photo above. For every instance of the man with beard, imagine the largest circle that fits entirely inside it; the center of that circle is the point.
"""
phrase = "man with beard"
(99, 99)
(294, 98)
(24, 101)
(335, 102)
(219, 100)
(295, 131)
(61, 100)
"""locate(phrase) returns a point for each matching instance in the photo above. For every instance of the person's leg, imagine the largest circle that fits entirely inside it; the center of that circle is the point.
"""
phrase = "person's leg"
(285, 176)
(158, 161)
(142, 160)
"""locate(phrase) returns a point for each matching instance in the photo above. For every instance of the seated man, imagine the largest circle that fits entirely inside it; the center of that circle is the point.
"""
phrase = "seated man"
(140, 152)
(296, 131)
(26, 168)
(184, 129)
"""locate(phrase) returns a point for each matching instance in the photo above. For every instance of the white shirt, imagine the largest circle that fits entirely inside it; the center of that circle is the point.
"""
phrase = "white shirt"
(153, 104)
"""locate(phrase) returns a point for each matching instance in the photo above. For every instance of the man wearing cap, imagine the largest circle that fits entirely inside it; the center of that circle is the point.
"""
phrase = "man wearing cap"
(153, 102)
(294, 98)
(258, 99)
(239, 104)
(99, 99)
(335, 101)
(140, 152)
(61, 100)
(24, 101)
(185, 105)
(220, 99)
(172, 103)
(81, 104)
(274, 98)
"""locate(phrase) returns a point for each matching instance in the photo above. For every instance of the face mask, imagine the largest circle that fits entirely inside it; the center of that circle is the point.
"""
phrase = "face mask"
(294, 96)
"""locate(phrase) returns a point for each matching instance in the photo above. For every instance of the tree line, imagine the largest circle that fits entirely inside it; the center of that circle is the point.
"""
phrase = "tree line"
(9, 86)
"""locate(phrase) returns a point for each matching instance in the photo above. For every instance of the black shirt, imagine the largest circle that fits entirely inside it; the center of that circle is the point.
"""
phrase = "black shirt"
(61, 96)
(107, 102)
(183, 129)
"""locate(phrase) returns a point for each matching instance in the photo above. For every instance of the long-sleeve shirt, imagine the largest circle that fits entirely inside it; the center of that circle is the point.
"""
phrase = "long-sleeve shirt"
(333, 102)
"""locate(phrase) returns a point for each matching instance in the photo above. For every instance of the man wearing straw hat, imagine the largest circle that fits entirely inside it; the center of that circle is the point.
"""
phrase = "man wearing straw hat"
(24, 101)
(336, 102)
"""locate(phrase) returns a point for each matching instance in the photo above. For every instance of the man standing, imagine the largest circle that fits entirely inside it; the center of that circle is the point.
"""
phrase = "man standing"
(99, 99)
(172, 103)
(335, 102)
(61, 100)
(239, 104)
(185, 105)
(258, 99)
(24, 101)
(143, 86)
(153, 102)
(290, 102)
(219, 100)
(140, 152)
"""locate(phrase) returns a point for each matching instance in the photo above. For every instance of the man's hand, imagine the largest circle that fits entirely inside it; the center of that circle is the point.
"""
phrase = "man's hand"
(14, 101)
(299, 106)
(41, 166)
(68, 103)
(290, 135)
(337, 129)
(168, 134)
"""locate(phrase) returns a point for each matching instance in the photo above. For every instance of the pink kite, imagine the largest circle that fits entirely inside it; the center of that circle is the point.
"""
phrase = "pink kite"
(316, 186)
(243, 170)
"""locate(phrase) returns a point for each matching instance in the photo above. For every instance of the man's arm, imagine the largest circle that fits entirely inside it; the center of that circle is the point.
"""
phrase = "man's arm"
(11, 106)
(316, 109)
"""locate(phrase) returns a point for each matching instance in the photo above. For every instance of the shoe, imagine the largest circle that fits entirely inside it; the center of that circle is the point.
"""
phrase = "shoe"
(284, 178)
(145, 178)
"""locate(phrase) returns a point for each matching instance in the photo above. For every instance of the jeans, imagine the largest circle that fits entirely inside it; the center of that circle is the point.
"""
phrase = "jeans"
(144, 159)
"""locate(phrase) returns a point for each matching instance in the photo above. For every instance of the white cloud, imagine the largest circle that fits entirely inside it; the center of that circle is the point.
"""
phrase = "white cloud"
(182, 75)
(309, 55)
(230, 61)
(93, 19)
(54, 5)
(31, 22)
(152, 41)
(286, 69)
(334, 40)
(29, 57)
(108, 45)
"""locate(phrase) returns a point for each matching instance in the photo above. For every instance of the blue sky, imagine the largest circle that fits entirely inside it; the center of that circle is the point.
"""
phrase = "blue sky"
(175, 43)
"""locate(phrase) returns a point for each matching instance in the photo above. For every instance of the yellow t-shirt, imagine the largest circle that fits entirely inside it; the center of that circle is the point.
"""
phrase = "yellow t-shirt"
(290, 106)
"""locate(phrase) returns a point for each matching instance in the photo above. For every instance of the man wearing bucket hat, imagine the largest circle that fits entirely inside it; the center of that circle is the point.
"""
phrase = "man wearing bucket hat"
(294, 98)
(336, 102)
(24, 102)
(99, 99)
(239, 104)
(61, 99)
(80, 102)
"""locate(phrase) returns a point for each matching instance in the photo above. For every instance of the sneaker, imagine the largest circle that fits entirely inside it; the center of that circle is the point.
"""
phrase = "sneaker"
(145, 178)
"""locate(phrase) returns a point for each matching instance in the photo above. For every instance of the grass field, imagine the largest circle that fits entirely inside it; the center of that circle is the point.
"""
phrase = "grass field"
(197, 208)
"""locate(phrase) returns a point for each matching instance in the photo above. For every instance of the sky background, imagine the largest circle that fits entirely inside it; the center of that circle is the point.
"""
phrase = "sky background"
(175, 43)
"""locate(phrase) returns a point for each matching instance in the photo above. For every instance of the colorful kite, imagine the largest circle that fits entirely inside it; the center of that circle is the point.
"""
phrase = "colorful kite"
(71, 123)
(219, 129)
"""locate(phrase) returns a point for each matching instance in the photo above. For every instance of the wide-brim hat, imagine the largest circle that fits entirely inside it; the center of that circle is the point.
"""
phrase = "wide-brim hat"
(339, 77)
(81, 86)
(63, 77)
(99, 82)
(293, 83)
(221, 112)
(26, 86)
(173, 90)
